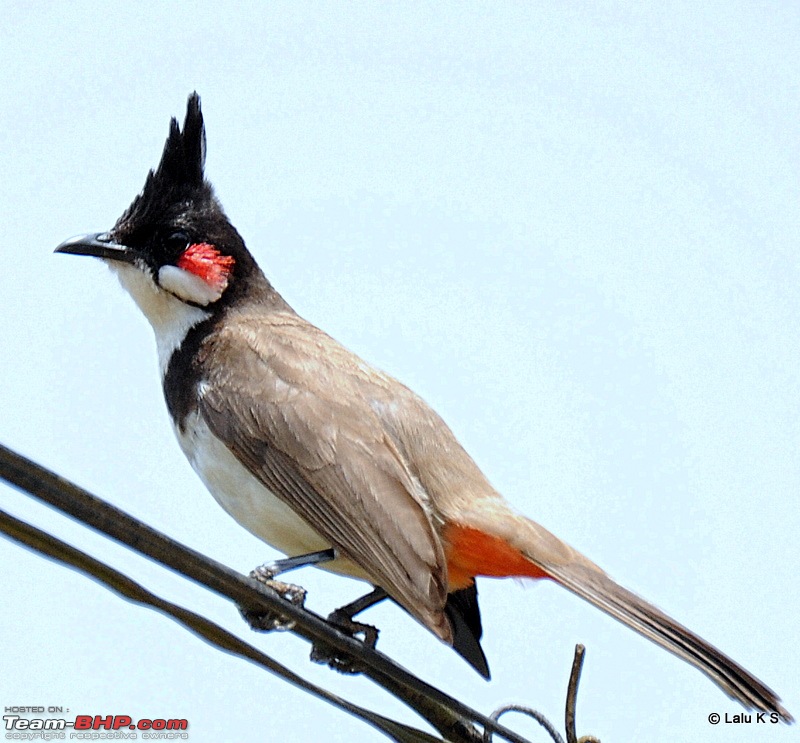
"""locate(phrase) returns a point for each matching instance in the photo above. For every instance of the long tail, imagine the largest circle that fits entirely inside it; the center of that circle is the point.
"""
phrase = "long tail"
(499, 543)
(640, 615)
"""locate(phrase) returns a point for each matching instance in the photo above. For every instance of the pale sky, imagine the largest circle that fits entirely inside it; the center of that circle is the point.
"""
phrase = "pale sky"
(573, 231)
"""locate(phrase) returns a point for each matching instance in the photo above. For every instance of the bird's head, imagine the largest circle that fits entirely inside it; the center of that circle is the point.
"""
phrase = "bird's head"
(174, 249)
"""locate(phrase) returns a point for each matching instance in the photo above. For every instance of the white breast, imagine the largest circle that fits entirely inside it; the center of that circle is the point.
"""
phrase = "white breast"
(253, 505)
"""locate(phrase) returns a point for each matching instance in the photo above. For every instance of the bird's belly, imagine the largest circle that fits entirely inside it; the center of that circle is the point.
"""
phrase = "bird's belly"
(252, 504)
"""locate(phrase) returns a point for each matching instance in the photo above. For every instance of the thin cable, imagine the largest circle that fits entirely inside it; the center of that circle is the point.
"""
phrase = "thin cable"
(55, 549)
(448, 715)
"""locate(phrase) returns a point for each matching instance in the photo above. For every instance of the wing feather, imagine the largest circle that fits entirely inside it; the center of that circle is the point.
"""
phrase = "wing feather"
(309, 432)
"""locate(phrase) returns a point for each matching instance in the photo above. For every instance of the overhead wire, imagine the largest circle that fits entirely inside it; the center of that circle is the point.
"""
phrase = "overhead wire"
(455, 720)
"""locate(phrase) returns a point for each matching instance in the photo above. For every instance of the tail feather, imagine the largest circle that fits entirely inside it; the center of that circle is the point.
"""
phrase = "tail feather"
(547, 555)
(593, 585)
(465, 620)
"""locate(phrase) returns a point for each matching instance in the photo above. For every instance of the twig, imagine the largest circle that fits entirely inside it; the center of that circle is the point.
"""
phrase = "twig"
(572, 698)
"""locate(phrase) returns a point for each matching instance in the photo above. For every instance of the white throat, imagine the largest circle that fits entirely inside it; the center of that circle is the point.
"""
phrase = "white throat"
(171, 318)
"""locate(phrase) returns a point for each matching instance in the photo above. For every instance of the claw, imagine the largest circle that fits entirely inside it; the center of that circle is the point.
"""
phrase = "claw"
(325, 654)
(273, 621)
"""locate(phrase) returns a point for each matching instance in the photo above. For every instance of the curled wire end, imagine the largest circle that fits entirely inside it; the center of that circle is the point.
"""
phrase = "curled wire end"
(535, 714)
(572, 697)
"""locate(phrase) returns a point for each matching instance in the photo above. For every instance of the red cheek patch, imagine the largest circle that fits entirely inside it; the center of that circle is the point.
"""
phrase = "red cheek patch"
(206, 262)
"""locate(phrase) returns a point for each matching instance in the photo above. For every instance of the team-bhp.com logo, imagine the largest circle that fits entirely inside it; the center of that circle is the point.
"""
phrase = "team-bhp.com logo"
(94, 727)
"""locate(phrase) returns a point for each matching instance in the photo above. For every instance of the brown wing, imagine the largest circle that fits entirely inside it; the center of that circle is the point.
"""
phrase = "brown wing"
(309, 431)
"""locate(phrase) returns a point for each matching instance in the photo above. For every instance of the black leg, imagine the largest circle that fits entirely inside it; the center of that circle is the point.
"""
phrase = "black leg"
(342, 619)
(266, 622)
(270, 570)
(347, 612)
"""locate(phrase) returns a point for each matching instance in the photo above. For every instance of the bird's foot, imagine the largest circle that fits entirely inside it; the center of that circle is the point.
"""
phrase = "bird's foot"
(269, 621)
(326, 654)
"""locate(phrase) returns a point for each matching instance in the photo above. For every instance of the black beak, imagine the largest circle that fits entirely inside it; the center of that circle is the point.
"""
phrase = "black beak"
(98, 245)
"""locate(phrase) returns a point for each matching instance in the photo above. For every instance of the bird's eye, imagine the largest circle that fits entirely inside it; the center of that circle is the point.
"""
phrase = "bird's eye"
(176, 243)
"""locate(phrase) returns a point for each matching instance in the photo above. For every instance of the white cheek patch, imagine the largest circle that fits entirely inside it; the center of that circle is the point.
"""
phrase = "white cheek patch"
(187, 286)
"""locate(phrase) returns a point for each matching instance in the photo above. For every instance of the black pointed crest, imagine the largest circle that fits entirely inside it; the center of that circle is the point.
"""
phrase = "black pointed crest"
(179, 175)
(185, 151)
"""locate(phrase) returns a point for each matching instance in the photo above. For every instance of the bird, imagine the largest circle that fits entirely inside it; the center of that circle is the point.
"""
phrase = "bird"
(321, 455)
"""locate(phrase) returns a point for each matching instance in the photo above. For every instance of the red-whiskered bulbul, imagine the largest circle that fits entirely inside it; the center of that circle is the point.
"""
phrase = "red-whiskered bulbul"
(312, 450)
